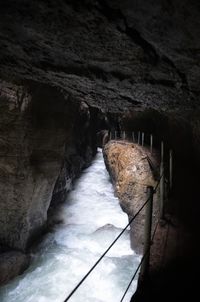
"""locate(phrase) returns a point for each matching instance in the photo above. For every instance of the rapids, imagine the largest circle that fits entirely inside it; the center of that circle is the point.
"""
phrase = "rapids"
(91, 219)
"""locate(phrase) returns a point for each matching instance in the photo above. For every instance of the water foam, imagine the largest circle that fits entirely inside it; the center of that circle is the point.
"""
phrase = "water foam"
(92, 219)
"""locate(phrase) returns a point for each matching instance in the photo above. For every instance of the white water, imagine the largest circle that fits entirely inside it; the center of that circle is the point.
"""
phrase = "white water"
(92, 219)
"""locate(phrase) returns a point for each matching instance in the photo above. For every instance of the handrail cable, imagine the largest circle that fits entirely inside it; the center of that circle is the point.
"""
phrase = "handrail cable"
(144, 256)
(151, 164)
(120, 234)
(157, 185)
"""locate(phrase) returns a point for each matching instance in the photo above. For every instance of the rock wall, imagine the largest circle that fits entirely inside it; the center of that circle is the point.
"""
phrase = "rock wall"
(45, 141)
(131, 174)
(12, 263)
(117, 55)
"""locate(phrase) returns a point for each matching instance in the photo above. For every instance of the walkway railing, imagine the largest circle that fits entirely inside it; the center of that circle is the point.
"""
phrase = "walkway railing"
(147, 140)
(103, 255)
(148, 235)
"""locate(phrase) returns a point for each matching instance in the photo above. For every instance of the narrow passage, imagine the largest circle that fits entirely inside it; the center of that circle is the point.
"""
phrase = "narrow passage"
(91, 219)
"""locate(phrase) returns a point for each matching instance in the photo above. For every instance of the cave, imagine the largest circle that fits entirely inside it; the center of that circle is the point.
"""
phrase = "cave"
(71, 74)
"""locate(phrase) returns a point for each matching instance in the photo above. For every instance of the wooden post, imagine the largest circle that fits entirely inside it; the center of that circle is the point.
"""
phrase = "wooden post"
(170, 169)
(162, 182)
(142, 139)
(110, 135)
(115, 134)
(151, 143)
(124, 135)
(138, 138)
(147, 234)
(133, 136)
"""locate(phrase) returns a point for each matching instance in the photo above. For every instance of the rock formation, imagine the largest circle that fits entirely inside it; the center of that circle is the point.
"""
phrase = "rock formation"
(45, 142)
(117, 55)
(12, 263)
(131, 173)
(67, 69)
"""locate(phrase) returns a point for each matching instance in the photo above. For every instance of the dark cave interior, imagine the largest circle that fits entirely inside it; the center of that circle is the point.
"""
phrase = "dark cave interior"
(71, 69)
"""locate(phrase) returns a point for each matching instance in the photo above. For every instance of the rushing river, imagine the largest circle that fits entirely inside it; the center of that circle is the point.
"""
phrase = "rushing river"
(92, 218)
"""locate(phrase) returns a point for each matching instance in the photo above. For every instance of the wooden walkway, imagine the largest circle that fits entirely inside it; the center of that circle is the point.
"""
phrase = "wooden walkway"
(173, 267)
(174, 264)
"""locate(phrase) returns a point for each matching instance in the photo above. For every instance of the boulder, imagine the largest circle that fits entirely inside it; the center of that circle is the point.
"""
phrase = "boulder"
(131, 174)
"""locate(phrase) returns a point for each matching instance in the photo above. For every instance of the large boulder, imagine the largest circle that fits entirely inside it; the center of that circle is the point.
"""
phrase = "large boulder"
(131, 174)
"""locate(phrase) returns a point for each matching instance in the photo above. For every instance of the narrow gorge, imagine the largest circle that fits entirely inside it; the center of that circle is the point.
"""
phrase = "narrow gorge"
(72, 73)
(89, 221)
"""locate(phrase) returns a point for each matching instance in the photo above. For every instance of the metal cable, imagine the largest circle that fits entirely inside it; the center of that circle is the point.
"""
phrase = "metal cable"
(146, 253)
(102, 256)
(156, 187)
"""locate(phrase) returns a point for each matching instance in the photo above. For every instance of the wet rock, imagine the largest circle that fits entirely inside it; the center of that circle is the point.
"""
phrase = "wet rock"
(107, 228)
(65, 62)
(12, 264)
(45, 142)
(131, 173)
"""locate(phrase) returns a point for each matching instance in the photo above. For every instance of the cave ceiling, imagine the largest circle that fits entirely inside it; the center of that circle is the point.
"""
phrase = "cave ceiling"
(115, 55)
